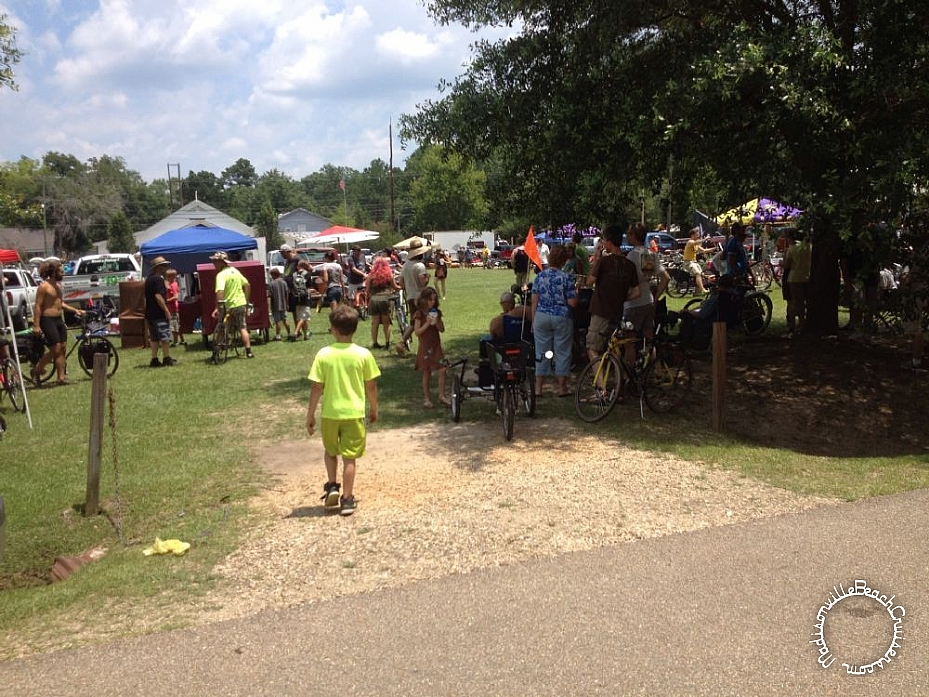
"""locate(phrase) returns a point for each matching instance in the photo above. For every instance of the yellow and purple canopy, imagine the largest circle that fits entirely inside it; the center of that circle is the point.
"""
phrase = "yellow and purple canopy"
(759, 210)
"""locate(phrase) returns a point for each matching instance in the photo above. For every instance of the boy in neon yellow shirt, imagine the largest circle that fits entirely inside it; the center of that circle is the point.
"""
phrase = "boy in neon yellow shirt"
(343, 374)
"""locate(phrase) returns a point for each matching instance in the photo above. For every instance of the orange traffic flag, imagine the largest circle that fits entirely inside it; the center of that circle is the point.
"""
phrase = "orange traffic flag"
(532, 250)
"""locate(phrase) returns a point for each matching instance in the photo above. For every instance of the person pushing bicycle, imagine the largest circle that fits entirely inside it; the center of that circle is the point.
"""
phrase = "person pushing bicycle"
(232, 295)
(48, 322)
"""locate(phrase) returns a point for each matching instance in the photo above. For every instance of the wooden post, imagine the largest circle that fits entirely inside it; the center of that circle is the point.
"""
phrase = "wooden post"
(719, 374)
(95, 450)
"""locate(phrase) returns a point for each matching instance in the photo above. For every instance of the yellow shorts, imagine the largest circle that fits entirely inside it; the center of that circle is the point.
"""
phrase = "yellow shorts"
(345, 437)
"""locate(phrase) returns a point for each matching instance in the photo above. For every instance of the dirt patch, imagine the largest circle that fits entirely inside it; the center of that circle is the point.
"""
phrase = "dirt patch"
(426, 511)
(844, 396)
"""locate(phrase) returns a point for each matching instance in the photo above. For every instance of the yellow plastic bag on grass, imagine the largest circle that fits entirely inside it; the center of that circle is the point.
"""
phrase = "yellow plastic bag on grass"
(166, 546)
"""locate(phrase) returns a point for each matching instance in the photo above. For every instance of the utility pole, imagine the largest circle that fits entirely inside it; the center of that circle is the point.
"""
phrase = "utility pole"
(180, 194)
(44, 219)
(391, 169)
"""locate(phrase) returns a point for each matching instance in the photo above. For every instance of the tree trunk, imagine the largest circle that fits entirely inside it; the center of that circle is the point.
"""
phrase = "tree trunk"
(822, 317)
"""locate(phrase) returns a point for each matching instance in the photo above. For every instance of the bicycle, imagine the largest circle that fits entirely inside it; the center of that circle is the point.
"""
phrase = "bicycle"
(661, 375)
(766, 272)
(225, 338)
(399, 302)
(357, 297)
(752, 313)
(90, 340)
(10, 384)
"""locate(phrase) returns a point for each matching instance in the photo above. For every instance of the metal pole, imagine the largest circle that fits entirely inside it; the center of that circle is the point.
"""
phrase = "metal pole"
(44, 219)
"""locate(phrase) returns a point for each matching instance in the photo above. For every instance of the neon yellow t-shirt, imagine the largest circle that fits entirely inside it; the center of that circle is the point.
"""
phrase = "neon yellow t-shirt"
(231, 281)
(343, 370)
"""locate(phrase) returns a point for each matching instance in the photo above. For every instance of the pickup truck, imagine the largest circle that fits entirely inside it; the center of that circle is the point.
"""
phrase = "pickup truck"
(101, 271)
(19, 290)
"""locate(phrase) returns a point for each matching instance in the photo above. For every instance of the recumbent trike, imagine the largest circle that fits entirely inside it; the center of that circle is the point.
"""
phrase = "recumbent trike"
(506, 374)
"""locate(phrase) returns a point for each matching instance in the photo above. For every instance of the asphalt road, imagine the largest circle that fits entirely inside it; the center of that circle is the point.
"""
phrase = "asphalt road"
(723, 611)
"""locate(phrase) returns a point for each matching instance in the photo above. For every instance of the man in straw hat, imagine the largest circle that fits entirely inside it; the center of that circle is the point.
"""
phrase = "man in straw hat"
(413, 278)
(232, 296)
(157, 314)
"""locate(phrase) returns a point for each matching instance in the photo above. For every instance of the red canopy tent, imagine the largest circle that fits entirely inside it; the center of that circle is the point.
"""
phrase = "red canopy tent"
(9, 256)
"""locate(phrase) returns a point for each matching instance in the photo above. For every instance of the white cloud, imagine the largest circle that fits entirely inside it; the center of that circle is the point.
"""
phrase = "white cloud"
(407, 46)
(291, 85)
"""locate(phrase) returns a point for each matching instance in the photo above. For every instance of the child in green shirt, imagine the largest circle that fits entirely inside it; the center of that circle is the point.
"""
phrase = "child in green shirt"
(343, 374)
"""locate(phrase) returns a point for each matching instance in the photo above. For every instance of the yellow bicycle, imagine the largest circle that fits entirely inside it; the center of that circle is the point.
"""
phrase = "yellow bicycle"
(661, 376)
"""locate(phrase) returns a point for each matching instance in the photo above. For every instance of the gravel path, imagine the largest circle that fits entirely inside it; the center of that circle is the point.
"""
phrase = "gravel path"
(450, 498)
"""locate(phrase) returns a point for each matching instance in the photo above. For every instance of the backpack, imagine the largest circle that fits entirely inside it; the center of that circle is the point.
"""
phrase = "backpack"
(520, 260)
(300, 291)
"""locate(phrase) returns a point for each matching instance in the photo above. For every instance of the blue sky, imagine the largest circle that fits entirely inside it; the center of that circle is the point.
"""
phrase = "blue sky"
(288, 84)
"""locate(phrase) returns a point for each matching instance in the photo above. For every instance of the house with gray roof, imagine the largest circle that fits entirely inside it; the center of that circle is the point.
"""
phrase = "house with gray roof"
(194, 213)
(299, 223)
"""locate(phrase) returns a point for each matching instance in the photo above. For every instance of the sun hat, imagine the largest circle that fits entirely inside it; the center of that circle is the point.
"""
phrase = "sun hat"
(286, 248)
(417, 248)
(159, 261)
(220, 256)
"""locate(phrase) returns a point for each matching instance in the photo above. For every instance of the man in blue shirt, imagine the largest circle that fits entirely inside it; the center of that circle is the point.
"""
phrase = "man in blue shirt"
(736, 258)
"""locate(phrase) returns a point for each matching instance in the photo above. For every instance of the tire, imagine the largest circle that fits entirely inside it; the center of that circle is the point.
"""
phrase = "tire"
(20, 321)
(508, 408)
(12, 386)
(692, 305)
(668, 379)
(92, 346)
(527, 392)
(756, 313)
(764, 277)
(49, 372)
(457, 398)
(597, 389)
(220, 346)
(681, 284)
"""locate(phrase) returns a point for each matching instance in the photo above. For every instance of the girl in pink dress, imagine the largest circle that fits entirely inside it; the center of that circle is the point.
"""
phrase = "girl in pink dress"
(427, 325)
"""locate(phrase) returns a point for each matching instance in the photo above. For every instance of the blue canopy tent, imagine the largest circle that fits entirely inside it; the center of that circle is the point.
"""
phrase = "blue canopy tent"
(189, 246)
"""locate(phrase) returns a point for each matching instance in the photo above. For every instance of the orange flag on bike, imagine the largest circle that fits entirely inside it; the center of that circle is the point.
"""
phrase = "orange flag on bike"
(532, 250)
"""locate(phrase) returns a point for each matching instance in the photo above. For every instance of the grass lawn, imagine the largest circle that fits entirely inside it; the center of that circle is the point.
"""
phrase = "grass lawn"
(182, 464)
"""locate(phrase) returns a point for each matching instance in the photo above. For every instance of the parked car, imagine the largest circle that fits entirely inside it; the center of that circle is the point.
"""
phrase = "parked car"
(19, 291)
(666, 241)
(314, 255)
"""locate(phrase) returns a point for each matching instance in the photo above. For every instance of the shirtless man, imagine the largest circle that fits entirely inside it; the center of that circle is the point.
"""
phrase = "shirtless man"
(47, 320)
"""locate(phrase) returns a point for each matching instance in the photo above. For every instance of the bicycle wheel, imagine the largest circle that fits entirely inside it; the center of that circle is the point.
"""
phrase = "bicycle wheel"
(692, 305)
(598, 388)
(508, 409)
(527, 392)
(220, 346)
(457, 398)
(12, 385)
(764, 277)
(668, 378)
(756, 313)
(90, 347)
(681, 283)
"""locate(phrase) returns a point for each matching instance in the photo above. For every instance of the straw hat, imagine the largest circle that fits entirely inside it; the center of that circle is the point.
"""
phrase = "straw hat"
(417, 249)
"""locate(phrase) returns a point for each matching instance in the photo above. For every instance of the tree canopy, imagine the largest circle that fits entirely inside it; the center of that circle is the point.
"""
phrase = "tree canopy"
(594, 104)
(9, 54)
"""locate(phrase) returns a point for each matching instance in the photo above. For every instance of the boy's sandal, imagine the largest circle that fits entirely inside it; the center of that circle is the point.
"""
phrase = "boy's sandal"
(428, 405)
(443, 400)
